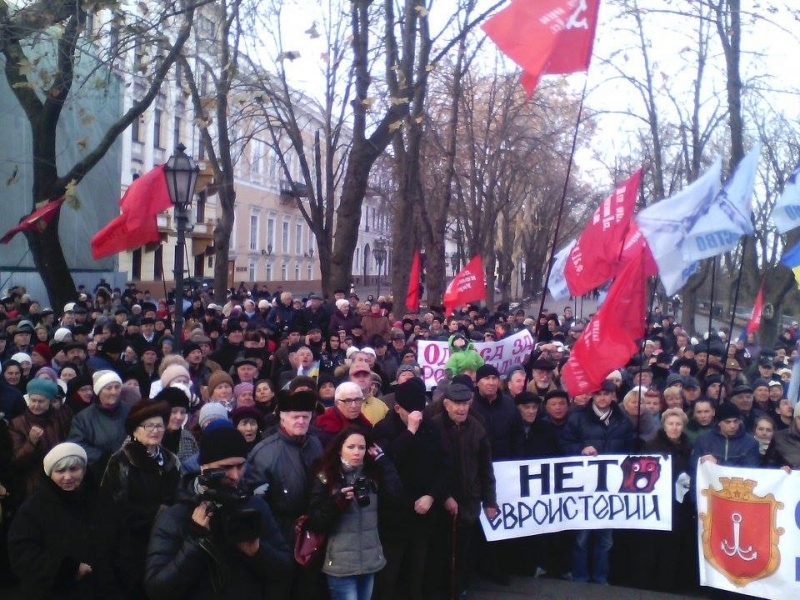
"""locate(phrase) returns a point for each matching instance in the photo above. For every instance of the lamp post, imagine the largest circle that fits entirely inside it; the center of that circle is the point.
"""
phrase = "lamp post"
(181, 174)
(380, 255)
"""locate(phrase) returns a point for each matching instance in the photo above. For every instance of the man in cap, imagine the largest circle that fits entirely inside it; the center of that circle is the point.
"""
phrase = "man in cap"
(231, 348)
(314, 315)
(414, 445)
(469, 483)
(542, 376)
(219, 541)
(742, 398)
(498, 414)
(601, 428)
(21, 341)
(728, 443)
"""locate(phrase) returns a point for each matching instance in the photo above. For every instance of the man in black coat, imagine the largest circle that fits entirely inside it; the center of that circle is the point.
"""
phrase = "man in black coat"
(407, 524)
(218, 544)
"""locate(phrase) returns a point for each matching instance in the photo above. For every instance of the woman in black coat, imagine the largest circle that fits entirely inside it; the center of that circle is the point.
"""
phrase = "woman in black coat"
(139, 479)
(60, 543)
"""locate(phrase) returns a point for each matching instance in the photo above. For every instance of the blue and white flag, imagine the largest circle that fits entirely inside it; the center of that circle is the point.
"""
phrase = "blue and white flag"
(666, 224)
(558, 281)
(786, 214)
(730, 215)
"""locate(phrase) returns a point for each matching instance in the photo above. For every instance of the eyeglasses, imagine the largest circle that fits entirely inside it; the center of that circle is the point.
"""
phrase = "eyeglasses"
(351, 401)
(150, 427)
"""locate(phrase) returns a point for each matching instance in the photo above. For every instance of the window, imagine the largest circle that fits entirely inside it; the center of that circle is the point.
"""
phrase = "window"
(297, 272)
(256, 157)
(136, 264)
(157, 129)
(176, 131)
(201, 207)
(284, 273)
(310, 242)
(251, 270)
(274, 163)
(270, 234)
(298, 239)
(310, 273)
(136, 130)
(366, 220)
(285, 240)
(253, 232)
(158, 263)
(357, 261)
(269, 272)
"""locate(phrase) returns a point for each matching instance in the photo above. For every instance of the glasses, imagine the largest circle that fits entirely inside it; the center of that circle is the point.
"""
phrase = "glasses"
(351, 401)
(150, 427)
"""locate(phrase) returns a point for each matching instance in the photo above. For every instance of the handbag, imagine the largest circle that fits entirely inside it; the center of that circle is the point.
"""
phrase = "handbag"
(309, 546)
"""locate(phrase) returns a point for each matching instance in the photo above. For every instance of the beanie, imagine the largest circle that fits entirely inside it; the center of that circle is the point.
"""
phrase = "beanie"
(242, 388)
(103, 378)
(43, 350)
(211, 412)
(49, 373)
(42, 387)
(216, 378)
(728, 410)
(21, 357)
(410, 395)
(61, 334)
(486, 370)
(63, 451)
(172, 372)
(222, 443)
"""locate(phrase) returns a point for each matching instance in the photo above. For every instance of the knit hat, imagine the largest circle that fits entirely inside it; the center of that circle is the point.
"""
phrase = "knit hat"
(247, 412)
(728, 410)
(513, 369)
(410, 395)
(242, 388)
(760, 383)
(222, 443)
(217, 378)
(172, 372)
(61, 334)
(42, 387)
(49, 372)
(60, 451)
(103, 378)
(146, 409)
(486, 370)
(674, 379)
(299, 401)
(211, 412)
(21, 357)
(43, 350)
(174, 396)
(189, 347)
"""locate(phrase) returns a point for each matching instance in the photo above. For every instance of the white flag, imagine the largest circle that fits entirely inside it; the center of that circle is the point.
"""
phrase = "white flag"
(666, 224)
(730, 215)
(558, 281)
(786, 214)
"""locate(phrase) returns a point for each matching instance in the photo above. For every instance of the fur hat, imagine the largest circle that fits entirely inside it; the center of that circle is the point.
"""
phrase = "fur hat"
(146, 409)
(410, 395)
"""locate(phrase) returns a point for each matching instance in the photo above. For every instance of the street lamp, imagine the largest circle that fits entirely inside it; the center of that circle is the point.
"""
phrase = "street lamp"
(181, 174)
(380, 255)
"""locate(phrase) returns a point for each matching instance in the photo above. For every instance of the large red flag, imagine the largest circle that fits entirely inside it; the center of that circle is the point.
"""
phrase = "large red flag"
(143, 200)
(546, 37)
(596, 256)
(36, 221)
(635, 246)
(610, 339)
(755, 317)
(412, 296)
(468, 286)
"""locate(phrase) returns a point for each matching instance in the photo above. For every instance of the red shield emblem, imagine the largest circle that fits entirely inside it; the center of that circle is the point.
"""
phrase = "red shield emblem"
(740, 537)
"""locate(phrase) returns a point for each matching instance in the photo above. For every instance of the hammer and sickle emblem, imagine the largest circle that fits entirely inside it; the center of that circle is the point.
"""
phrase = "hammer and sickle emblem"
(578, 18)
(735, 549)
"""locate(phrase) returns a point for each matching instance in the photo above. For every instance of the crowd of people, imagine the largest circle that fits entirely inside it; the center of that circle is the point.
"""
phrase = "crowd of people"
(141, 460)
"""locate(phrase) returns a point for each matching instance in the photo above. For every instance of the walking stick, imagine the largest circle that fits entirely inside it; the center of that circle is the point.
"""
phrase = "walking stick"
(454, 541)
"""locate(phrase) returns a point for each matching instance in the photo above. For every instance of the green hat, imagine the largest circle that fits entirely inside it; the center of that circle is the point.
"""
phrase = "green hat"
(43, 387)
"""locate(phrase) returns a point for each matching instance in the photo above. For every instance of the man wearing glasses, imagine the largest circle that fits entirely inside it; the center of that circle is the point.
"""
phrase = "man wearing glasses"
(346, 411)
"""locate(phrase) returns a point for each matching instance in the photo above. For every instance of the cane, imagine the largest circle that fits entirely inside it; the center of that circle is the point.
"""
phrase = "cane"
(453, 545)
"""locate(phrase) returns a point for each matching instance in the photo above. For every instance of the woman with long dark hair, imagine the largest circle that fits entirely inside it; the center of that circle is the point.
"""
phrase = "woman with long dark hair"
(352, 476)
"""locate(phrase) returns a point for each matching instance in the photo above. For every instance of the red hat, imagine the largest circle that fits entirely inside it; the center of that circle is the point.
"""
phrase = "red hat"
(43, 350)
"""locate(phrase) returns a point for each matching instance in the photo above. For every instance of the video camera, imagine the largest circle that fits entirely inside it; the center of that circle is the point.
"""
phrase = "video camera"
(229, 518)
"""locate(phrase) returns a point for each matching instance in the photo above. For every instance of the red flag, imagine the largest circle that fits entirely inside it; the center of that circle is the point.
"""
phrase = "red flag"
(36, 221)
(546, 37)
(596, 256)
(468, 286)
(412, 296)
(636, 245)
(610, 339)
(755, 317)
(143, 200)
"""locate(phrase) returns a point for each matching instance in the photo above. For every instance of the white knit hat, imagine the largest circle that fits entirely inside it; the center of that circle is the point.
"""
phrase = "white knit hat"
(21, 357)
(172, 372)
(103, 378)
(61, 334)
(62, 451)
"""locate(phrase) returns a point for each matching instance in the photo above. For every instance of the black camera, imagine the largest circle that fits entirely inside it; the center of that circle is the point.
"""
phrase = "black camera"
(229, 518)
(361, 491)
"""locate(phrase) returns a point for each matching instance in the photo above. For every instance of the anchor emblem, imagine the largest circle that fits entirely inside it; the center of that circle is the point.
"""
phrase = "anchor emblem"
(735, 548)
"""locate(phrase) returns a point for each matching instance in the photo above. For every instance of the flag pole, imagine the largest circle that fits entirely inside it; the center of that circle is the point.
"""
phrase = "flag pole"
(711, 302)
(736, 294)
(563, 198)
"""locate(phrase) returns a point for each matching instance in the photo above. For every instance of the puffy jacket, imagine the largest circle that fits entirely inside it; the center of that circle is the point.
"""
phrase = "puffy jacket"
(181, 556)
(502, 423)
(584, 429)
(784, 449)
(283, 463)
(354, 546)
(100, 432)
(739, 450)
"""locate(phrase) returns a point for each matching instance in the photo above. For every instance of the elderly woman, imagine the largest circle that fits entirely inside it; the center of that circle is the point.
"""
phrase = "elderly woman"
(100, 428)
(140, 478)
(343, 318)
(59, 543)
(634, 408)
(34, 433)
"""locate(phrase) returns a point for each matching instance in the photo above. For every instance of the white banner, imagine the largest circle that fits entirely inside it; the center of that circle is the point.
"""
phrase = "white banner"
(749, 530)
(503, 354)
(581, 492)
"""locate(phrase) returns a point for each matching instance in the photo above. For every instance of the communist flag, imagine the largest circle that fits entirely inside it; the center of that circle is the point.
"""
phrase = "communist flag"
(412, 296)
(596, 256)
(36, 221)
(468, 286)
(136, 225)
(755, 318)
(552, 37)
(610, 339)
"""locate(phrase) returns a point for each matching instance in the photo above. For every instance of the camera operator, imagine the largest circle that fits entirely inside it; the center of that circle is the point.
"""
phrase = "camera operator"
(218, 542)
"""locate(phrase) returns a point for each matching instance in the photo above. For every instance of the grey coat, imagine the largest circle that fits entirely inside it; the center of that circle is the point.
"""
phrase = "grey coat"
(100, 432)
